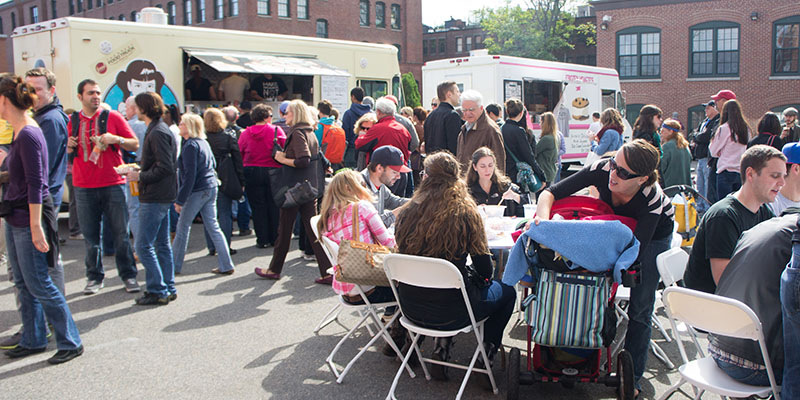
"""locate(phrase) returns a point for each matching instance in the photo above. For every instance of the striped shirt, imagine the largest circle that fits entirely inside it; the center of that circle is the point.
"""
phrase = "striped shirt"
(650, 207)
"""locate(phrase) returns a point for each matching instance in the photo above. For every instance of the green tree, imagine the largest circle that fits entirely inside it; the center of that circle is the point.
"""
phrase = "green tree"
(538, 31)
(410, 90)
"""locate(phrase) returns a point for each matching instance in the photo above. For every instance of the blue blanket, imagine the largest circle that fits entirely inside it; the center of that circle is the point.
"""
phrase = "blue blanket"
(597, 246)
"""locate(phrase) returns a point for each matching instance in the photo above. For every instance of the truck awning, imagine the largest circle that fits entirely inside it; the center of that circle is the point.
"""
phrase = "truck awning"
(260, 63)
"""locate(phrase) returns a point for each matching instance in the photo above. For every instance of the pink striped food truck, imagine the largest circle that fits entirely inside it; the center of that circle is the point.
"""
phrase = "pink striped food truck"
(570, 91)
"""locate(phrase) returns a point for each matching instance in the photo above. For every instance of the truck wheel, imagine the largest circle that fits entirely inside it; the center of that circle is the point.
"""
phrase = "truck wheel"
(625, 391)
(512, 375)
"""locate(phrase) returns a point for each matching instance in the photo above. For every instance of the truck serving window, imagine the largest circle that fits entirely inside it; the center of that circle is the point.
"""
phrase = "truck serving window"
(374, 89)
(541, 96)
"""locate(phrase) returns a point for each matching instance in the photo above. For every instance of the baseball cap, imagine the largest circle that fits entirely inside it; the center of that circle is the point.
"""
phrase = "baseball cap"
(724, 94)
(389, 156)
(792, 152)
(284, 105)
(194, 67)
(711, 103)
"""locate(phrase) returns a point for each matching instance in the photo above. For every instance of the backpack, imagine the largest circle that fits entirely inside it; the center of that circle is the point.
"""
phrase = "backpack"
(333, 139)
(128, 157)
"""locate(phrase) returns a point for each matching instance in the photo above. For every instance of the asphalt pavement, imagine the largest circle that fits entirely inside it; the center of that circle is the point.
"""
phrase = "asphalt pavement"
(241, 337)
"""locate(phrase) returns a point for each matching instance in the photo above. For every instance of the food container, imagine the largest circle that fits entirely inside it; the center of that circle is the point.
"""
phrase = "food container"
(494, 211)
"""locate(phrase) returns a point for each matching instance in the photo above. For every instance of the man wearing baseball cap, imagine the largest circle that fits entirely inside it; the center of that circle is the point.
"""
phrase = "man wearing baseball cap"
(385, 167)
(722, 96)
(789, 196)
(791, 131)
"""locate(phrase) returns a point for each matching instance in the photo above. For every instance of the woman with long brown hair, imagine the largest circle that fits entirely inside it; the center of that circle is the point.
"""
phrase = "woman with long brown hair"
(442, 221)
(488, 185)
(547, 148)
(728, 144)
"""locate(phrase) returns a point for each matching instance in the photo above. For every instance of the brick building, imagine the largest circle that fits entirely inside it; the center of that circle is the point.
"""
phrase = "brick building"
(676, 53)
(396, 22)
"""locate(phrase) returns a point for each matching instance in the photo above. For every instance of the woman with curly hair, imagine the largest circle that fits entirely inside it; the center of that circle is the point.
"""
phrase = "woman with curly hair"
(442, 221)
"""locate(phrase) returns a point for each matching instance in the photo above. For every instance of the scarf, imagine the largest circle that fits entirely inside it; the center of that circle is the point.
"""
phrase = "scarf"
(607, 127)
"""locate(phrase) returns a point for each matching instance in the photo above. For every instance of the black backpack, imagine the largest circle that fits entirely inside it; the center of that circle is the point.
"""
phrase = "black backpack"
(128, 157)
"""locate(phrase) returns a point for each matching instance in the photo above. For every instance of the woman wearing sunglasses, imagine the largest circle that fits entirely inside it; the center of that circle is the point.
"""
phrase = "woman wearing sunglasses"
(628, 183)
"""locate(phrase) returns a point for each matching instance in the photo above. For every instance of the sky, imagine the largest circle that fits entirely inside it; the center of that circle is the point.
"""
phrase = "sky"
(435, 12)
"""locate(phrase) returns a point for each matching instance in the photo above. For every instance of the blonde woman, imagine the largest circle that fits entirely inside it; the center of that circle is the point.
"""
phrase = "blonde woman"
(197, 193)
(343, 197)
(675, 166)
(547, 148)
(361, 127)
(301, 153)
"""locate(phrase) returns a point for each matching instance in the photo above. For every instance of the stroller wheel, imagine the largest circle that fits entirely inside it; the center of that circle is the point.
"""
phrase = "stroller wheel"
(625, 390)
(512, 375)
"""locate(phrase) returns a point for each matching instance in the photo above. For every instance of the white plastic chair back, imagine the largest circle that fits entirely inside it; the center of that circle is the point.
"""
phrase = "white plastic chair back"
(423, 271)
(671, 265)
(329, 246)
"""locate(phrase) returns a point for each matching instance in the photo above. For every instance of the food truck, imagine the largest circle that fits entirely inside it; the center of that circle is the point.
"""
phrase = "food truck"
(127, 58)
(570, 91)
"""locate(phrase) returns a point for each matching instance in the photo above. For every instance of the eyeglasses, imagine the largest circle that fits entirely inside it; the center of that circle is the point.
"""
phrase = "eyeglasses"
(622, 173)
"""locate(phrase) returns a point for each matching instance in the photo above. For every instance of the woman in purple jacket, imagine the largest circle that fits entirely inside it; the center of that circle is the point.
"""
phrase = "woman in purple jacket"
(24, 200)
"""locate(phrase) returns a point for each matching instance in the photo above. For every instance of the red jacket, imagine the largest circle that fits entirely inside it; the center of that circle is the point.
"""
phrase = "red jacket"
(386, 132)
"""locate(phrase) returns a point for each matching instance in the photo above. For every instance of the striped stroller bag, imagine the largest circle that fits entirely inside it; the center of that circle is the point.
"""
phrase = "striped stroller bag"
(569, 309)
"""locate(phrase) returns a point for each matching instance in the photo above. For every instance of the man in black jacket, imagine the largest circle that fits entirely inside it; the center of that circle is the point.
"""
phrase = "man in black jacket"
(444, 124)
(704, 134)
(520, 145)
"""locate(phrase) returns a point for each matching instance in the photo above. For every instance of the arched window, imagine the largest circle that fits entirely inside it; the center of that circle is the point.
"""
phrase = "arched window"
(785, 46)
(172, 11)
(395, 16)
(322, 28)
(219, 9)
(53, 13)
(71, 7)
(122, 17)
(233, 8)
(187, 12)
(696, 115)
(714, 49)
(13, 20)
(363, 12)
(399, 52)
(639, 52)
(380, 14)
(134, 14)
(201, 11)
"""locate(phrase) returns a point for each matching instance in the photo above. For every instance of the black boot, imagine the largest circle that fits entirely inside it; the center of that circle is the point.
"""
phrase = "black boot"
(399, 335)
(483, 379)
(441, 352)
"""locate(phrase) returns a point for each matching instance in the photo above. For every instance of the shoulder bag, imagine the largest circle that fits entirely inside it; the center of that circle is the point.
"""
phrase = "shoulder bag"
(226, 172)
(361, 263)
(290, 186)
(526, 178)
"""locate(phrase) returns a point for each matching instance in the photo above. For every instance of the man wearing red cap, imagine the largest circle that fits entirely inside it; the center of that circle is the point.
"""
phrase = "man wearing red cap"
(385, 168)
(719, 99)
(722, 96)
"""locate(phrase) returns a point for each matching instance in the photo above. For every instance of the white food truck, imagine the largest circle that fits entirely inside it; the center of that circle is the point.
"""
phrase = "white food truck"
(570, 91)
(127, 58)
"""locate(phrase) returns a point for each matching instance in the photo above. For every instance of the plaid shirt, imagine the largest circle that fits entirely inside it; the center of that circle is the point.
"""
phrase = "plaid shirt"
(721, 355)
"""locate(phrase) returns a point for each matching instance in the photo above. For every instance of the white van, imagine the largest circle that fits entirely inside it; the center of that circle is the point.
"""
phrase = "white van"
(127, 58)
(571, 91)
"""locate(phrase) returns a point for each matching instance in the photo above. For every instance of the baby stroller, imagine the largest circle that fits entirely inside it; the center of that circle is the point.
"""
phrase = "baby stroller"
(570, 315)
(684, 200)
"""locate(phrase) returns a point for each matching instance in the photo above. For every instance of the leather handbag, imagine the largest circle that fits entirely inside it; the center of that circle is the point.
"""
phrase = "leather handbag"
(229, 179)
(290, 186)
(361, 263)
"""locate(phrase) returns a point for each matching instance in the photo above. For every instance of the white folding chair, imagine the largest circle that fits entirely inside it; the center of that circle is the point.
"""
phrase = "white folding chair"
(721, 316)
(671, 265)
(367, 312)
(434, 273)
(624, 294)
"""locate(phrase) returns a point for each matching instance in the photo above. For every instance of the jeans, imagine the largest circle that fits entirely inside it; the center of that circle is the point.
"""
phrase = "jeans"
(381, 294)
(107, 240)
(790, 305)
(154, 250)
(38, 296)
(702, 184)
(727, 183)
(204, 202)
(74, 226)
(711, 185)
(133, 213)
(497, 303)
(94, 205)
(746, 375)
(350, 159)
(243, 213)
(265, 213)
(287, 217)
(640, 308)
(224, 218)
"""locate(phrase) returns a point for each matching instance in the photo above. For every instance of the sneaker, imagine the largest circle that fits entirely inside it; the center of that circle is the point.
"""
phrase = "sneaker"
(77, 236)
(63, 356)
(19, 352)
(11, 341)
(131, 286)
(152, 299)
(309, 257)
(246, 232)
(232, 251)
(173, 296)
(92, 287)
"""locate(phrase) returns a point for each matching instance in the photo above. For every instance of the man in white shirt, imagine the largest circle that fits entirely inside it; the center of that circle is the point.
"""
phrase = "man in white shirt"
(789, 196)
(595, 126)
(233, 87)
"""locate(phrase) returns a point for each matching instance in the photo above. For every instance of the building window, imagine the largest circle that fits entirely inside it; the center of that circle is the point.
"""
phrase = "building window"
(160, 6)
(714, 49)
(233, 8)
(134, 16)
(219, 9)
(99, 3)
(425, 44)
(262, 8)
(442, 46)
(363, 12)
(395, 16)
(786, 47)
(80, 5)
(1, 26)
(187, 12)
(469, 43)
(696, 115)
(34, 14)
(283, 8)
(110, 1)
(399, 52)
(201, 11)
(13, 20)
(53, 13)
(302, 9)
(380, 14)
(459, 44)
(71, 7)
(122, 17)
(111, 18)
(89, 4)
(172, 11)
(322, 28)
(478, 42)
(639, 52)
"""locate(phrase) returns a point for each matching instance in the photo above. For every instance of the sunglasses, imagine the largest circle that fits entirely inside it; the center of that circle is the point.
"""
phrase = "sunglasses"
(365, 128)
(622, 173)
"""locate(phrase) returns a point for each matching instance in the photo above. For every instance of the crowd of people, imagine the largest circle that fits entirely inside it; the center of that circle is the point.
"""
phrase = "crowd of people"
(404, 178)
